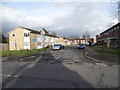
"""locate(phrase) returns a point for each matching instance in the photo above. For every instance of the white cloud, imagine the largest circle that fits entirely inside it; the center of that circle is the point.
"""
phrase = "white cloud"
(74, 20)
(21, 18)
(59, 0)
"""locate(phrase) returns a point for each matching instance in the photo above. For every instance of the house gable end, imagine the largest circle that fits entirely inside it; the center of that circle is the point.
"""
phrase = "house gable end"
(14, 29)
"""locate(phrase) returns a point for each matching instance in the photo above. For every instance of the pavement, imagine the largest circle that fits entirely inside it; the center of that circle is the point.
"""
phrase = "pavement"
(93, 55)
(65, 68)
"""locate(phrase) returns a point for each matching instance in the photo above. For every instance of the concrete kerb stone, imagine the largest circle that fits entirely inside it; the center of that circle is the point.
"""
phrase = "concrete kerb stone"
(85, 54)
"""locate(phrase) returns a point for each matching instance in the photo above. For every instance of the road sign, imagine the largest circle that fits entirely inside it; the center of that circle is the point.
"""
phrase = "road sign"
(33, 40)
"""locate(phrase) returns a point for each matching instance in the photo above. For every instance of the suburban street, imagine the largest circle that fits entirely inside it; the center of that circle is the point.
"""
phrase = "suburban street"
(65, 68)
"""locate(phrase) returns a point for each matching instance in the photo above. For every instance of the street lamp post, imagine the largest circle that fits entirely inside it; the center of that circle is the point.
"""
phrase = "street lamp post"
(43, 38)
(108, 42)
(86, 38)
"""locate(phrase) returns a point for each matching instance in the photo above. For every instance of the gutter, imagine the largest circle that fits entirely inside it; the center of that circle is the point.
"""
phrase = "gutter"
(97, 61)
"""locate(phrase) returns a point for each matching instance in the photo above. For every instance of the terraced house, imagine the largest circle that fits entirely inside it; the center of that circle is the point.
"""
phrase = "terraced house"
(110, 37)
(24, 38)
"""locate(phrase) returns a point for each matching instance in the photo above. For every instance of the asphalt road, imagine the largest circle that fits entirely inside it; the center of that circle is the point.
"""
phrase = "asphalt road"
(66, 68)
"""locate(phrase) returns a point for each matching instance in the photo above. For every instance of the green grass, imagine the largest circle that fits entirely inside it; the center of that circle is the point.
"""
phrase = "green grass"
(0, 53)
(107, 51)
(68, 45)
(21, 53)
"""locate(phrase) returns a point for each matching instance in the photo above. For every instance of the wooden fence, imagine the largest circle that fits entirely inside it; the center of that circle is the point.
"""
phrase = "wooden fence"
(4, 46)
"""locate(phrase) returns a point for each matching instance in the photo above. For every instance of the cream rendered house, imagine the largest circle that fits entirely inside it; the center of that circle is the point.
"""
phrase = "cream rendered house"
(24, 38)
(48, 38)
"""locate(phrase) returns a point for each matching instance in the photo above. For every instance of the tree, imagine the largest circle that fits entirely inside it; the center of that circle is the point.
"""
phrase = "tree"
(86, 37)
(116, 11)
(74, 37)
(3, 39)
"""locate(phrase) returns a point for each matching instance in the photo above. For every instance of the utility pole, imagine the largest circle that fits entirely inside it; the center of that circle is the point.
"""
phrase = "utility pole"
(43, 40)
(86, 37)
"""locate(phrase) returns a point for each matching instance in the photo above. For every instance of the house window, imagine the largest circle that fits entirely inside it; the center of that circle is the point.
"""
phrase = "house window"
(14, 44)
(39, 43)
(117, 27)
(26, 43)
(111, 30)
(45, 38)
(13, 34)
(26, 34)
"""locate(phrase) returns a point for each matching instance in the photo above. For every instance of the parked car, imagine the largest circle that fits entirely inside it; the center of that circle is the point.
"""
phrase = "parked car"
(62, 46)
(80, 46)
(47, 46)
(57, 46)
(93, 44)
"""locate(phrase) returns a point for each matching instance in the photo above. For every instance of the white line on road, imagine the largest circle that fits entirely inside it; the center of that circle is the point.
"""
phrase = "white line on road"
(10, 75)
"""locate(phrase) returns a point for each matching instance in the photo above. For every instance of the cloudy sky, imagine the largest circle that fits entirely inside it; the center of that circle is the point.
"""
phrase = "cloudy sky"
(65, 18)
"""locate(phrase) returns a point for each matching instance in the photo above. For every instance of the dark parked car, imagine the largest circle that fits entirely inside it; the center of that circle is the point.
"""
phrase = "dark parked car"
(62, 46)
(81, 46)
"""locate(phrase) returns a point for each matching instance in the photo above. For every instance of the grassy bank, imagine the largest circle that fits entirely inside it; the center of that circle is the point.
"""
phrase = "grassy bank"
(20, 53)
(68, 45)
(107, 51)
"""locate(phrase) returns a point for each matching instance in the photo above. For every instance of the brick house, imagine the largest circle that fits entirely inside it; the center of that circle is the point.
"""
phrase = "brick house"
(110, 37)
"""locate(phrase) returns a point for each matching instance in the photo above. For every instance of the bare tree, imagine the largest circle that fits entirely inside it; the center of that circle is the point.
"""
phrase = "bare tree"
(53, 33)
(118, 11)
(74, 37)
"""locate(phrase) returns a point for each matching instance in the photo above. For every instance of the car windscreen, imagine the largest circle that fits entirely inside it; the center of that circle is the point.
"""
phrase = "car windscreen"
(81, 44)
(57, 45)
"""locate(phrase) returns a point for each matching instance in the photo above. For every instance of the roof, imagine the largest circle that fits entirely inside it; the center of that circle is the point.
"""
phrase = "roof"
(118, 24)
(37, 32)
(32, 31)
(46, 32)
(51, 35)
(82, 39)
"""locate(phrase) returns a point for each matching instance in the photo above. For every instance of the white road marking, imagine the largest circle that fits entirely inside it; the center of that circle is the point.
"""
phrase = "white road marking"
(10, 75)
(91, 64)
(115, 66)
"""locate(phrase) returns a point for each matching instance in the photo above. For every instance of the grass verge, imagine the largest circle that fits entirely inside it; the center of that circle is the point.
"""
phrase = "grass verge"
(107, 51)
(21, 53)
(68, 45)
